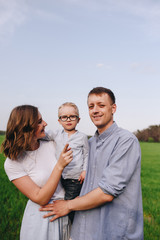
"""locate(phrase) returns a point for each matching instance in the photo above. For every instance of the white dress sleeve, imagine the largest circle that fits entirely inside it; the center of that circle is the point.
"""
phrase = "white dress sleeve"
(14, 169)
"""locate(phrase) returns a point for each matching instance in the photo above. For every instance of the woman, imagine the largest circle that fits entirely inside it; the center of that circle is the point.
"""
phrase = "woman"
(32, 167)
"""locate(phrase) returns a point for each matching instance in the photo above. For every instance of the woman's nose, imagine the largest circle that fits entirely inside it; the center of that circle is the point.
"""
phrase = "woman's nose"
(44, 123)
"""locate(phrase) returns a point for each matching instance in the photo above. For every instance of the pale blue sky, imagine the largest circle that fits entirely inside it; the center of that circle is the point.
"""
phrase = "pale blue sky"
(56, 51)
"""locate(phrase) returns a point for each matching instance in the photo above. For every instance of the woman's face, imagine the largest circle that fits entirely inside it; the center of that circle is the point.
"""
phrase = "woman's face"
(40, 133)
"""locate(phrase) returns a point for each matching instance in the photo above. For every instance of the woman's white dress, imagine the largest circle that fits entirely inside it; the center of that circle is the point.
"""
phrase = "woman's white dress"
(38, 165)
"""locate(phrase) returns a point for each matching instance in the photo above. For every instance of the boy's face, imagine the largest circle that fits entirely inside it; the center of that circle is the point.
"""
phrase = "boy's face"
(68, 124)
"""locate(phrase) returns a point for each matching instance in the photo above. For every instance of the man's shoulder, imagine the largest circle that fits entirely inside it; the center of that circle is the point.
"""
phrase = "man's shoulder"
(124, 133)
(124, 137)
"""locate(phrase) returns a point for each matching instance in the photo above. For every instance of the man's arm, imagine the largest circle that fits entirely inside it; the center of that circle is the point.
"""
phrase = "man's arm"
(91, 200)
(85, 152)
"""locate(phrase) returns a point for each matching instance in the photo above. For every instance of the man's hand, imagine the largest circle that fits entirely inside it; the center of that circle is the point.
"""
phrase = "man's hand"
(82, 177)
(58, 208)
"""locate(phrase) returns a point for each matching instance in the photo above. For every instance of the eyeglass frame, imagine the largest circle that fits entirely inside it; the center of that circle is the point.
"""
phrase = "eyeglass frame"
(76, 117)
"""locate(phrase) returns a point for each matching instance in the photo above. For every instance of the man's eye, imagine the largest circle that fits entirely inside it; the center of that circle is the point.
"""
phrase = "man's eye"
(101, 106)
(90, 107)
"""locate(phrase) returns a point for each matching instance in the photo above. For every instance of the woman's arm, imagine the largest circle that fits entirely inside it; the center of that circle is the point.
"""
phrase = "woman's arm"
(43, 195)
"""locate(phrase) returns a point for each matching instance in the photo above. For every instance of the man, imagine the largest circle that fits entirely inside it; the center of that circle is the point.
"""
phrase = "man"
(110, 203)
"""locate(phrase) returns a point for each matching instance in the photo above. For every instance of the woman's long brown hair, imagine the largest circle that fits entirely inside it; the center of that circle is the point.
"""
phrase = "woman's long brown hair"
(22, 123)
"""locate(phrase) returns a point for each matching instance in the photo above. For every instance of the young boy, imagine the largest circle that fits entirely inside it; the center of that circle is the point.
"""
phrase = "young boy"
(74, 173)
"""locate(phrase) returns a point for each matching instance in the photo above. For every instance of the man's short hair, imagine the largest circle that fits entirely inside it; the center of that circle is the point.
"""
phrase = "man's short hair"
(101, 90)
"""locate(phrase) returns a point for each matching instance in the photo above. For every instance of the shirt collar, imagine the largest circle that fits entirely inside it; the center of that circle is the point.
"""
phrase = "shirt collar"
(63, 132)
(106, 133)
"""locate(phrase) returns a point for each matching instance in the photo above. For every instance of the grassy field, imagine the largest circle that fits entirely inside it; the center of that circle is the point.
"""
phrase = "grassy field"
(150, 177)
(12, 202)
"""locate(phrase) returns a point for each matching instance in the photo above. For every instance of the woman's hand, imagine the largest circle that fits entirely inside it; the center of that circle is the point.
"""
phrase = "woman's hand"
(66, 157)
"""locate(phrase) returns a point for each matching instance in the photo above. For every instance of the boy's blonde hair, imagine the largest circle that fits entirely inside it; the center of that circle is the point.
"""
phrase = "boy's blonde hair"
(70, 104)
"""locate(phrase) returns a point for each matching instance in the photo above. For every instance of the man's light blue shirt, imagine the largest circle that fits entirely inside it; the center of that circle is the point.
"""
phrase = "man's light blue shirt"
(78, 142)
(114, 165)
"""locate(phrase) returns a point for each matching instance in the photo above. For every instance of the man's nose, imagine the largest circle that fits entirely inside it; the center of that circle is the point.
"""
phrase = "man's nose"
(95, 109)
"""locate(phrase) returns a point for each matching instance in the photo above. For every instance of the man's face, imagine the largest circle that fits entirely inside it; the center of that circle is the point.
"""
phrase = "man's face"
(101, 111)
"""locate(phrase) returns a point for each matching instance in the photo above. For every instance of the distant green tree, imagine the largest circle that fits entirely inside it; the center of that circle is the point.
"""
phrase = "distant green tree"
(2, 132)
(150, 134)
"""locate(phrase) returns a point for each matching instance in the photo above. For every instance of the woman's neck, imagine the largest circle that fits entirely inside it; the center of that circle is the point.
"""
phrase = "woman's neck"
(35, 145)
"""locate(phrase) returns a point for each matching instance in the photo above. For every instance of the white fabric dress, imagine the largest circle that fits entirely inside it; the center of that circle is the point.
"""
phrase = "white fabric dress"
(38, 165)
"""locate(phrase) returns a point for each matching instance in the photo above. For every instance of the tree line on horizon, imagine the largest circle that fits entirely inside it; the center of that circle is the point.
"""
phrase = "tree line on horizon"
(150, 134)
(2, 132)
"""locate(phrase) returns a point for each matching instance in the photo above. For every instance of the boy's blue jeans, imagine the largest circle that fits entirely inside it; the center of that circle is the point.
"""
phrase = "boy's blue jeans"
(72, 189)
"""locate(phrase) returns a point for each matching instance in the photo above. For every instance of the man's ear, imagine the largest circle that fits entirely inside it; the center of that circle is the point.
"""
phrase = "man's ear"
(114, 107)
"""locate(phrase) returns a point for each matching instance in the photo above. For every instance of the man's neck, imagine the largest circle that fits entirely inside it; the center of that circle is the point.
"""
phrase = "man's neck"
(103, 129)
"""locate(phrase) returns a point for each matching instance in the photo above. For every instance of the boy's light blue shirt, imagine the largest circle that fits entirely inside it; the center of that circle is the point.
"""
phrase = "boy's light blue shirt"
(114, 165)
(79, 145)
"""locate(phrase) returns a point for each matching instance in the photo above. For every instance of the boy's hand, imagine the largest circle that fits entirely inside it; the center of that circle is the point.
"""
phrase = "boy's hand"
(82, 177)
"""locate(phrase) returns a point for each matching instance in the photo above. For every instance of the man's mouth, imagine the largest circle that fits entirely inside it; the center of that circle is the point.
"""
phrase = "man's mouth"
(97, 117)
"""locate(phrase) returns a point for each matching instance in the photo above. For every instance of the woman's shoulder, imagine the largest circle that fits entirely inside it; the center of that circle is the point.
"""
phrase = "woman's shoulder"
(9, 162)
(13, 168)
(47, 142)
(44, 145)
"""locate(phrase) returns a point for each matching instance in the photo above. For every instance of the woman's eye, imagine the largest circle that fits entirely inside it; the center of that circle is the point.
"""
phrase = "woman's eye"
(40, 121)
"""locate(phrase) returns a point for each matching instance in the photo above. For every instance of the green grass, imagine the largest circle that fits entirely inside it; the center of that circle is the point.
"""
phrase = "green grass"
(12, 202)
(150, 177)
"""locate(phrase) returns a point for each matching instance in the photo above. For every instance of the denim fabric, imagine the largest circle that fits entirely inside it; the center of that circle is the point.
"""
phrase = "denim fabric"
(72, 189)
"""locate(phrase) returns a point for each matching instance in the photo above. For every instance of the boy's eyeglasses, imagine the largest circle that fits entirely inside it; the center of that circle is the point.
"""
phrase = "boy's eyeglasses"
(71, 118)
